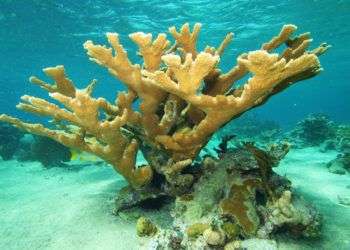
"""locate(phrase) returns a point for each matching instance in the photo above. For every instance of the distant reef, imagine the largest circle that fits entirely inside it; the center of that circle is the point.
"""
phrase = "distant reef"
(27, 147)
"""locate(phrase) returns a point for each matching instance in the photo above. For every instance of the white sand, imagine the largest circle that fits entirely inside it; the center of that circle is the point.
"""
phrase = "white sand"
(71, 208)
(60, 209)
(311, 179)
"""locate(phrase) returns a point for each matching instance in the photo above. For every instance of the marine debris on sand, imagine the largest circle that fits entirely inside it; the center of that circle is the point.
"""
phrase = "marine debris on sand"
(183, 98)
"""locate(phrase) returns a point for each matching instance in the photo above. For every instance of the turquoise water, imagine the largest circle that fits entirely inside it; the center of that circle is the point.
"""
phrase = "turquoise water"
(70, 207)
(37, 34)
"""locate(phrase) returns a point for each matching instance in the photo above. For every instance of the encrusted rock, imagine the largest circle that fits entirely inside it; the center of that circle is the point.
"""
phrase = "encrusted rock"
(294, 215)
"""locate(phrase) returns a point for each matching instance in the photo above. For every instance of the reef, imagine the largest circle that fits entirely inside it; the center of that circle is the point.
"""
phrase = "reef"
(342, 139)
(27, 147)
(251, 127)
(44, 150)
(341, 143)
(314, 130)
(173, 104)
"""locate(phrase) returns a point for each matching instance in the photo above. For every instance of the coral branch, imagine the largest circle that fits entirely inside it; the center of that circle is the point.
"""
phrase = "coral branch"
(62, 84)
(188, 74)
(103, 138)
(151, 52)
(186, 39)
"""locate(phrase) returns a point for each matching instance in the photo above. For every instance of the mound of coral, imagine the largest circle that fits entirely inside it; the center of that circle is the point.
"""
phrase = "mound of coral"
(237, 197)
(314, 130)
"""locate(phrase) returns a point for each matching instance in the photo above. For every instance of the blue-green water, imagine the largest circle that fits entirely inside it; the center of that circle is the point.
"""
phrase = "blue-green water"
(70, 208)
(37, 34)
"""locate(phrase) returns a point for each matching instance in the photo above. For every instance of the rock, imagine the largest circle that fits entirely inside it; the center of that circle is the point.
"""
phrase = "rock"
(336, 169)
(344, 200)
(214, 238)
(339, 165)
(128, 198)
(145, 227)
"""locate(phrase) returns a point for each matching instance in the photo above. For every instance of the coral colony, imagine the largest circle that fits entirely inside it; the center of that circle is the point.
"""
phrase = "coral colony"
(183, 99)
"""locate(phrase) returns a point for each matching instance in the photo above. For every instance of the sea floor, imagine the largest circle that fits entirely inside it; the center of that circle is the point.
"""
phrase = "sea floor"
(72, 208)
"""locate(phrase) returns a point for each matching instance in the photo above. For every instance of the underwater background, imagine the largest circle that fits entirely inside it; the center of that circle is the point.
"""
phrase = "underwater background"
(38, 34)
(70, 208)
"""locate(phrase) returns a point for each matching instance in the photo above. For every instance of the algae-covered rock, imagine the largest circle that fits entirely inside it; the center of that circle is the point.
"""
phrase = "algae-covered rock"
(145, 227)
(196, 229)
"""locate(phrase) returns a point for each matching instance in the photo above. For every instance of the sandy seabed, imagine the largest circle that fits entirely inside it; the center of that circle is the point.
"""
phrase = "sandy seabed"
(72, 208)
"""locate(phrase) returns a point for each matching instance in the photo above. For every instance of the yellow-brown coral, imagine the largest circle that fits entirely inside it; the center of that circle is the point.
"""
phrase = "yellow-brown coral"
(240, 206)
(184, 98)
